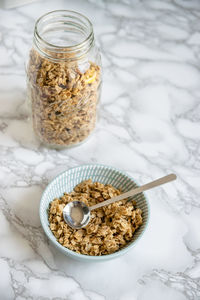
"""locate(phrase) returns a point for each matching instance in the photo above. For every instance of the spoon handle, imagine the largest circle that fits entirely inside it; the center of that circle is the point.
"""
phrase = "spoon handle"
(136, 191)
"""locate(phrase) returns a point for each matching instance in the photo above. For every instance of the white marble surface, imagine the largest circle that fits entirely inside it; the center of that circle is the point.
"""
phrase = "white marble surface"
(149, 126)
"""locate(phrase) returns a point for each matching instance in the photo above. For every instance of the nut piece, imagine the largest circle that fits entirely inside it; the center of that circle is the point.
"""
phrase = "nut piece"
(63, 99)
(110, 228)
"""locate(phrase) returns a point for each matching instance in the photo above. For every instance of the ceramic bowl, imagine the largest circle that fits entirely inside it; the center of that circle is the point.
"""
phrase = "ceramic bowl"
(66, 181)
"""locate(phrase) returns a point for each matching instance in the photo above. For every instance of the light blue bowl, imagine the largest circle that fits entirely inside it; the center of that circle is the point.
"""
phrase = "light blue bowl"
(66, 181)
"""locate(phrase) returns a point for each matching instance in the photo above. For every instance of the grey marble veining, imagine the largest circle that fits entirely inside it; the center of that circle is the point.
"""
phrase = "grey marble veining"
(149, 125)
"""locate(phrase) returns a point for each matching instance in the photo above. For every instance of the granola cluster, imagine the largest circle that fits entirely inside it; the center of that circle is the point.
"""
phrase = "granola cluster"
(63, 97)
(110, 227)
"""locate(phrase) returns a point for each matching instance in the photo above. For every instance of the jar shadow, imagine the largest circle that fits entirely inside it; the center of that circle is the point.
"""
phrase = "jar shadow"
(22, 133)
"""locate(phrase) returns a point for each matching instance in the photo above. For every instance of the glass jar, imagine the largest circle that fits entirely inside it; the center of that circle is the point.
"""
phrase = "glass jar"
(63, 79)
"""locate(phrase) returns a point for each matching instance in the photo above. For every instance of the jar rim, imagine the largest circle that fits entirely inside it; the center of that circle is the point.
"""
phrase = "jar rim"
(85, 44)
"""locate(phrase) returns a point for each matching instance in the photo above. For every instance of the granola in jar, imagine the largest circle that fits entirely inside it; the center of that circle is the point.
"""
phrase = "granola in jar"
(63, 86)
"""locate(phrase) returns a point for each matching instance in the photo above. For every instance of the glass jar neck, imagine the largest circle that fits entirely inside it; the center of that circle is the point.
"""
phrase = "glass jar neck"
(63, 35)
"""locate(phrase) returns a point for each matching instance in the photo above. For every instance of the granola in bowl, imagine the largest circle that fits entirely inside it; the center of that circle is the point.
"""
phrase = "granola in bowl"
(63, 97)
(111, 227)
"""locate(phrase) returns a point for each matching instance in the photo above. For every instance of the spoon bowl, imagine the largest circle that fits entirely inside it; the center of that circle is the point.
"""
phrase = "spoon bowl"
(76, 214)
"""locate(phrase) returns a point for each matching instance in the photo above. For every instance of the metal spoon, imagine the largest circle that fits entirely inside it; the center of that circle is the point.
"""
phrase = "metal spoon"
(77, 214)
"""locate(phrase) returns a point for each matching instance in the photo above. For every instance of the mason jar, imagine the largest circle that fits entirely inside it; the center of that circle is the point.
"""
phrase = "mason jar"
(63, 79)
